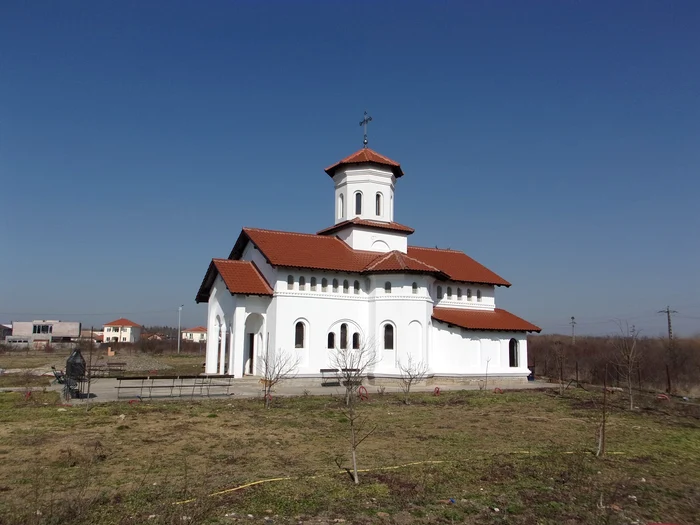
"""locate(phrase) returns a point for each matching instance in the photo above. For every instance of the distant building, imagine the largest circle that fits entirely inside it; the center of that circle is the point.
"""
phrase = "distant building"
(43, 332)
(5, 330)
(122, 331)
(196, 335)
(154, 336)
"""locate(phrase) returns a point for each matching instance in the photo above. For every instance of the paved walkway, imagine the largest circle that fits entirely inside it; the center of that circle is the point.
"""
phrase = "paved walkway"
(105, 390)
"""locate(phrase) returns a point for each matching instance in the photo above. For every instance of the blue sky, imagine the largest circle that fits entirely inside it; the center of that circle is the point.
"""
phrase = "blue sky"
(555, 142)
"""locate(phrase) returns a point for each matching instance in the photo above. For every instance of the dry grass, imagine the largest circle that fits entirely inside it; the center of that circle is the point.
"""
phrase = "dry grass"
(529, 454)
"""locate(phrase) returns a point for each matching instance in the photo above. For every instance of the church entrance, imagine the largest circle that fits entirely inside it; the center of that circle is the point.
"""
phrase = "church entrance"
(253, 344)
(251, 354)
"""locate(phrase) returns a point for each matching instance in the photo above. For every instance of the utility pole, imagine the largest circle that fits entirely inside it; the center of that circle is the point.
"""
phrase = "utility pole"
(179, 312)
(668, 313)
(573, 330)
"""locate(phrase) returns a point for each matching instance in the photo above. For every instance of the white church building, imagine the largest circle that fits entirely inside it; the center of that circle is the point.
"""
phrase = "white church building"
(359, 282)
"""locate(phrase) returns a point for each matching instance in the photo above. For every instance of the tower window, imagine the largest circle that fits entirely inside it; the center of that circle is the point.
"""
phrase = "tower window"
(449, 292)
(302, 283)
(313, 284)
(299, 335)
(331, 340)
(346, 286)
(341, 206)
(335, 285)
(388, 337)
(358, 203)
(414, 287)
(290, 282)
(378, 204)
(324, 285)
(459, 294)
(469, 294)
(356, 287)
(439, 292)
(387, 287)
(343, 336)
(478, 295)
(355, 341)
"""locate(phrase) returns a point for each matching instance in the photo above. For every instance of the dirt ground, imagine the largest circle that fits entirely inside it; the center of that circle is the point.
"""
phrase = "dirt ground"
(461, 457)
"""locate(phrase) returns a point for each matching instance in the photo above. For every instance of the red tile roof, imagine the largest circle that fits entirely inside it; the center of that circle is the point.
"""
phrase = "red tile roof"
(497, 319)
(240, 277)
(321, 252)
(395, 261)
(458, 265)
(122, 322)
(196, 329)
(364, 156)
(393, 226)
(303, 250)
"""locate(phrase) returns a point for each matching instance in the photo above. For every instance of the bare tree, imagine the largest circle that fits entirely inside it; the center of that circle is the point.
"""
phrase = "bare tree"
(627, 356)
(559, 356)
(277, 366)
(351, 367)
(411, 372)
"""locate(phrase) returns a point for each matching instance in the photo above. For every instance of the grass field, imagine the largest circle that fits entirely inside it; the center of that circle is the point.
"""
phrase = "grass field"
(458, 458)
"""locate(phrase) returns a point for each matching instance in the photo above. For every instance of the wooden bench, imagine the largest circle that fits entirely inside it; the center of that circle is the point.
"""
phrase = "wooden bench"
(329, 377)
(115, 367)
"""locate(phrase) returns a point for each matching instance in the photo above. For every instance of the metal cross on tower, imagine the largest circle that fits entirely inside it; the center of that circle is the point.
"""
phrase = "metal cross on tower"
(364, 123)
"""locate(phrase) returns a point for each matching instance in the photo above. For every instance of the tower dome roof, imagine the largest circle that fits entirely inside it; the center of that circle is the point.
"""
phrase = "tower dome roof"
(365, 156)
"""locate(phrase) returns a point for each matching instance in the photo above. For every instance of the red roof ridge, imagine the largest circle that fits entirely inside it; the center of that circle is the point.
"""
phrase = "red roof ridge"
(369, 223)
(401, 257)
(196, 329)
(299, 234)
(496, 319)
(122, 321)
(435, 249)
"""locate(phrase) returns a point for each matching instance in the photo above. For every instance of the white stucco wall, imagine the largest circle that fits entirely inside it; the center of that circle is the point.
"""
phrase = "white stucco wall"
(487, 302)
(369, 181)
(375, 240)
(195, 337)
(123, 334)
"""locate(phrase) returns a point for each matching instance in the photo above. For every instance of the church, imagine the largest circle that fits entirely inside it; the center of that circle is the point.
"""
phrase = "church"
(359, 282)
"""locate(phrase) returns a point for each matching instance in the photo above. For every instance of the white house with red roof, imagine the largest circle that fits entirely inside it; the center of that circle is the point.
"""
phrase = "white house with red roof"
(359, 283)
(198, 334)
(122, 331)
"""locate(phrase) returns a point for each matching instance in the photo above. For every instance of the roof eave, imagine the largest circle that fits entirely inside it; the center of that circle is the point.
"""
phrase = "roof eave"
(538, 330)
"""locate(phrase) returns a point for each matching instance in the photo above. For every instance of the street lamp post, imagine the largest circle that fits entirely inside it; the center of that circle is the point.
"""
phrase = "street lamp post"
(179, 312)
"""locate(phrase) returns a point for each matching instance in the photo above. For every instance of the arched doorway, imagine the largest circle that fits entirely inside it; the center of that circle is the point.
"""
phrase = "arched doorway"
(253, 343)
(513, 356)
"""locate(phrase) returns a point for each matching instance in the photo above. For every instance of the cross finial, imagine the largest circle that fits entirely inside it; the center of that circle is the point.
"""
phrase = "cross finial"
(364, 123)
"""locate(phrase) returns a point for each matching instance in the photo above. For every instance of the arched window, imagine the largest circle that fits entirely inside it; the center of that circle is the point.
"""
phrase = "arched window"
(439, 294)
(335, 285)
(378, 205)
(290, 282)
(313, 284)
(388, 337)
(341, 206)
(387, 287)
(324, 285)
(299, 335)
(346, 286)
(469, 294)
(356, 287)
(414, 287)
(331, 340)
(358, 203)
(343, 336)
(449, 292)
(478, 295)
(302, 283)
(459, 294)
(513, 353)
(356, 341)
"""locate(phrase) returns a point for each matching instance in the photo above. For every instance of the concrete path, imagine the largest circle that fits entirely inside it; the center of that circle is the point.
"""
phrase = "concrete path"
(105, 390)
